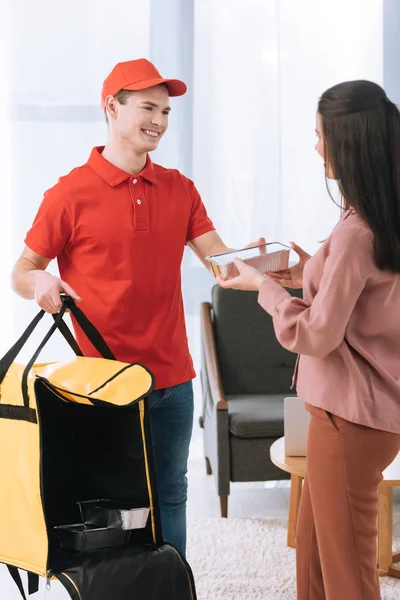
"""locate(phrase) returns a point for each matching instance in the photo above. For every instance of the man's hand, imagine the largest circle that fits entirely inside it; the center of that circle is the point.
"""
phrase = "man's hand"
(31, 280)
(210, 243)
(293, 277)
(260, 242)
(48, 289)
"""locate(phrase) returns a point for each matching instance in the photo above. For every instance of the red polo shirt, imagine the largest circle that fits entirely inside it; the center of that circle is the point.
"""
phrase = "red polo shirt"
(119, 241)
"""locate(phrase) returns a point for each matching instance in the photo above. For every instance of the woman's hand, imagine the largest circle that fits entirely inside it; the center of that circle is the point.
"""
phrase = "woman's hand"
(293, 277)
(248, 278)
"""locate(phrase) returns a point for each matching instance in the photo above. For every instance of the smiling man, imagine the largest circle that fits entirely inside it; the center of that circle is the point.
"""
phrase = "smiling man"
(118, 226)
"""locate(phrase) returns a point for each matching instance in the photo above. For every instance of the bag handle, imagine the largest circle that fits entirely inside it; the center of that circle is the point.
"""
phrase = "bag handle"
(67, 335)
(11, 355)
(91, 332)
(36, 354)
(87, 327)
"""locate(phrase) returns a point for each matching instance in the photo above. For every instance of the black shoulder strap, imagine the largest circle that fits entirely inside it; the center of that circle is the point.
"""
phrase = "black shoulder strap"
(11, 355)
(25, 374)
(93, 334)
(67, 335)
(13, 352)
(33, 583)
(17, 578)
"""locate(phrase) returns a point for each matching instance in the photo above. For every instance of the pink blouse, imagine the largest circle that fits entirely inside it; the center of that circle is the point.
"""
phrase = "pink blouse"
(346, 329)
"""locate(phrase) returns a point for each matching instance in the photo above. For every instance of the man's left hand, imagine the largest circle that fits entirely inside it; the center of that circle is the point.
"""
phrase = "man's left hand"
(260, 242)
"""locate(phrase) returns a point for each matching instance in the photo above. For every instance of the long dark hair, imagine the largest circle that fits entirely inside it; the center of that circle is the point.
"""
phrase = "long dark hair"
(361, 131)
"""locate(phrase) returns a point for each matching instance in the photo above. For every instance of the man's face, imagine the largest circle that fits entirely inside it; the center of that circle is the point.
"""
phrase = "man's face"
(143, 119)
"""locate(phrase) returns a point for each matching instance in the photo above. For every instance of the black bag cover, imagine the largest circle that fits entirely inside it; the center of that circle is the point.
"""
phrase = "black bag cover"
(135, 573)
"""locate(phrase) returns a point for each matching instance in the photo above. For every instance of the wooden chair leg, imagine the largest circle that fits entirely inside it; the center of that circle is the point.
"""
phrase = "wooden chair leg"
(224, 506)
(396, 557)
(208, 467)
(296, 486)
(385, 528)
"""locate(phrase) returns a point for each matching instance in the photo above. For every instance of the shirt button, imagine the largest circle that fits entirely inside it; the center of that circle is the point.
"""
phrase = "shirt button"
(139, 201)
(134, 181)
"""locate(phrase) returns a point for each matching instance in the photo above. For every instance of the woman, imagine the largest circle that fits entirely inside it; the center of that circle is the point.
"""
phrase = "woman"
(347, 333)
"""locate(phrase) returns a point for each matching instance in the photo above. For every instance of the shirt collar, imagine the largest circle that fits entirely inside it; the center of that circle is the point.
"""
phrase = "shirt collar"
(114, 175)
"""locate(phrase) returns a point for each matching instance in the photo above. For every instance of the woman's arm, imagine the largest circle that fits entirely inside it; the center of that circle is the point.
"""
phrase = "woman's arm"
(319, 328)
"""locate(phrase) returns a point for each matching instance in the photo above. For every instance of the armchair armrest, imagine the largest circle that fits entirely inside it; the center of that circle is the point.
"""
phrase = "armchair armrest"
(211, 359)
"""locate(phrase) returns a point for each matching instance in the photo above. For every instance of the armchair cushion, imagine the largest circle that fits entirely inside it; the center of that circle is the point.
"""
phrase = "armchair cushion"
(256, 415)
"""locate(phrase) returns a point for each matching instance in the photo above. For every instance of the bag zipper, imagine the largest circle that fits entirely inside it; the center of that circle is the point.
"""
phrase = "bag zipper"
(187, 567)
(49, 573)
(48, 577)
(71, 584)
(39, 419)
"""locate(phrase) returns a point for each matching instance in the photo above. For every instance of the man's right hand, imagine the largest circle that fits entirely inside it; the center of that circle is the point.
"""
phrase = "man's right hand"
(293, 277)
(48, 289)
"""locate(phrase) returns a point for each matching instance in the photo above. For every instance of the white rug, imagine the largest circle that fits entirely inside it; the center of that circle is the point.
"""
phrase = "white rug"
(232, 559)
(247, 559)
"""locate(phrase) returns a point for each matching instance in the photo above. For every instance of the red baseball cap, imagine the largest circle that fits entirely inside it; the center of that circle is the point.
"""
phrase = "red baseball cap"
(138, 75)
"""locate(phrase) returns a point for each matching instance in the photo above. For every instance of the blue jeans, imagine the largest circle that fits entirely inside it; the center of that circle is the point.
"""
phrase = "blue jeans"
(171, 414)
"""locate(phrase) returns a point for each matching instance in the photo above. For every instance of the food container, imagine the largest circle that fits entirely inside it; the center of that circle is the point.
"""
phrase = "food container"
(110, 513)
(82, 536)
(271, 257)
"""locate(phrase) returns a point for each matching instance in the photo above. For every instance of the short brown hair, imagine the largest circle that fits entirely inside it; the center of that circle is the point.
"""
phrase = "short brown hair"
(121, 97)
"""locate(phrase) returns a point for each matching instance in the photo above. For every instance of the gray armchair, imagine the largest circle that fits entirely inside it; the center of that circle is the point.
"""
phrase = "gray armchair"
(245, 376)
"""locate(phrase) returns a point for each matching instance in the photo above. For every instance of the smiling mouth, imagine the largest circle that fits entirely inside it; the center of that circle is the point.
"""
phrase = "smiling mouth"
(153, 134)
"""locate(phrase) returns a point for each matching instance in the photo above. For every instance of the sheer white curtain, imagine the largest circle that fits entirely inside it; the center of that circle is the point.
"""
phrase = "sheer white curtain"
(6, 199)
(260, 67)
(236, 104)
(54, 58)
(236, 137)
(321, 44)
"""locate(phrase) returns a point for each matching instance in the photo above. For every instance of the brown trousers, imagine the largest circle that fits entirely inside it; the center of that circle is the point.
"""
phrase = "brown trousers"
(337, 526)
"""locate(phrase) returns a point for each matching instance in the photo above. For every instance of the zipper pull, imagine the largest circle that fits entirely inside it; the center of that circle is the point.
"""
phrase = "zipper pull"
(48, 584)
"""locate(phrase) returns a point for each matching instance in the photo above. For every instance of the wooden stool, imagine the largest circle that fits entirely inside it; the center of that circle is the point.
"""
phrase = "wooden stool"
(386, 558)
(296, 466)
